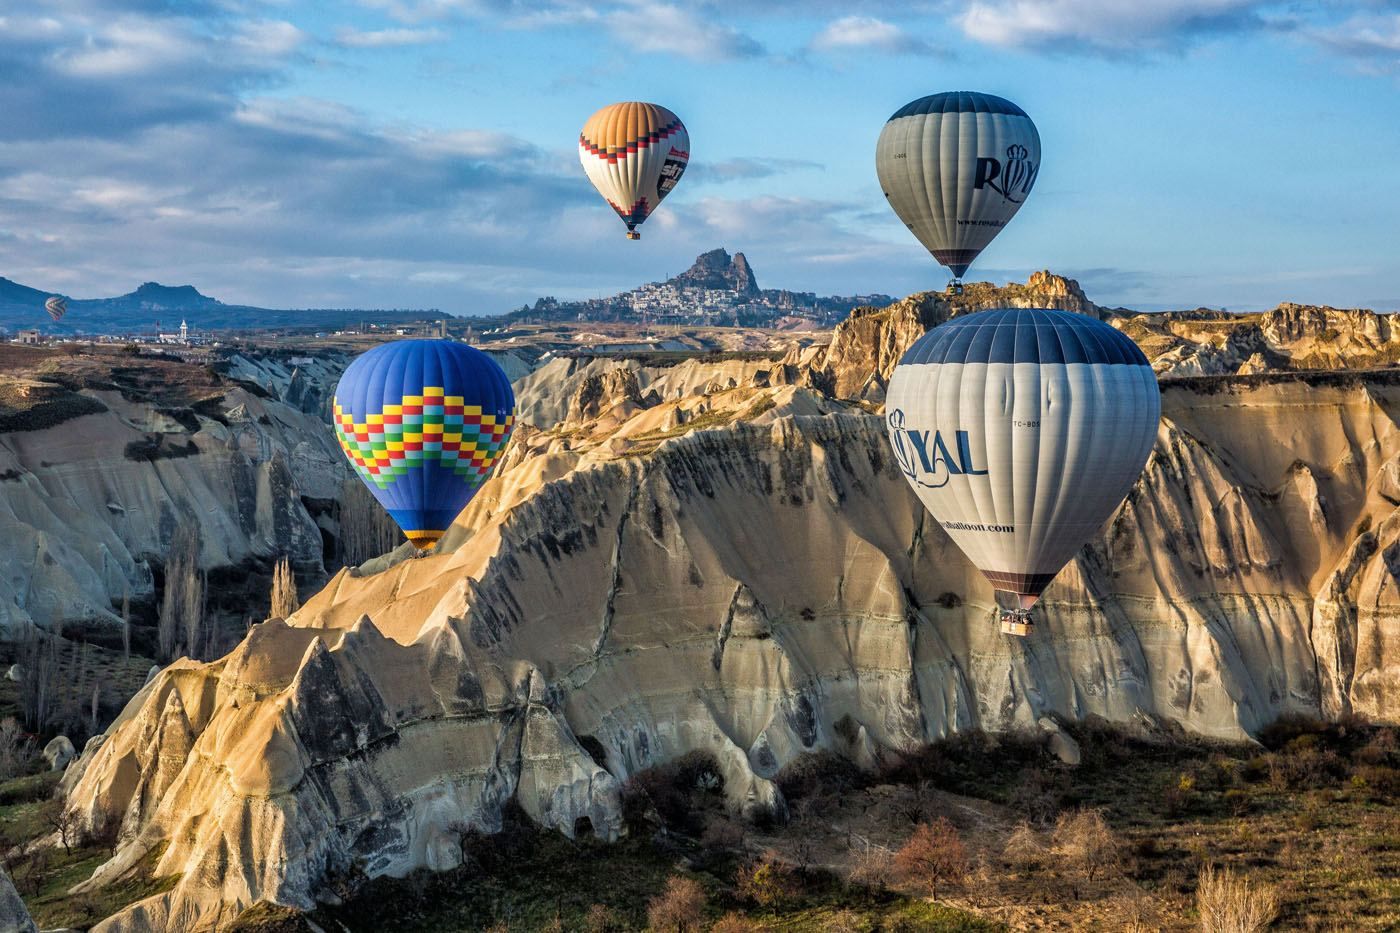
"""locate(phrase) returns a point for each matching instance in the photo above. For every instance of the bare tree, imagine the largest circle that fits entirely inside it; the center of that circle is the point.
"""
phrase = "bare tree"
(39, 684)
(182, 603)
(96, 701)
(366, 530)
(16, 750)
(284, 590)
(126, 623)
(63, 821)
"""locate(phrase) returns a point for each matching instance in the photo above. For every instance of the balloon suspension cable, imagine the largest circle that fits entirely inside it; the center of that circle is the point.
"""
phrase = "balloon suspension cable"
(1016, 622)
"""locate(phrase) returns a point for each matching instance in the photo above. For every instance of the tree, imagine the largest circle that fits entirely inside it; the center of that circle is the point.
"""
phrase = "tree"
(96, 701)
(680, 908)
(62, 821)
(40, 681)
(1086, 841)
(182, 604)
(16, 750)
(366, 530)
(284, 590)
(126, 623)
(933, 854)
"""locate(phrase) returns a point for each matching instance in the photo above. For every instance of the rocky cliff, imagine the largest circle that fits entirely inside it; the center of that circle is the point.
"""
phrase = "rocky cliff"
(745, 572)
(722, 556)
(100, 461)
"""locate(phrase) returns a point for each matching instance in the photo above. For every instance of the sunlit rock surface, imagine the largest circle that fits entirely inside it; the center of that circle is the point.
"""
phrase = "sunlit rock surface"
(723, 556)
(755, 589)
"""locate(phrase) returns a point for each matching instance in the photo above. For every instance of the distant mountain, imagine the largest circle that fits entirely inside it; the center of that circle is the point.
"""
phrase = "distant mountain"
(15, 293)
(139, 312)
(718, 289)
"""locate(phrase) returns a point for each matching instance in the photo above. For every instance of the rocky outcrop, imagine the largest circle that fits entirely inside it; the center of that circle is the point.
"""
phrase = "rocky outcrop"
(716, 270)
(14, 918)
(88, 505)
(868, 345)
(743, 589)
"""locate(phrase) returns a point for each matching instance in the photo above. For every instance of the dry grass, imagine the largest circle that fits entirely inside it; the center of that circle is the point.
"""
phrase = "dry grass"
(1231, 903)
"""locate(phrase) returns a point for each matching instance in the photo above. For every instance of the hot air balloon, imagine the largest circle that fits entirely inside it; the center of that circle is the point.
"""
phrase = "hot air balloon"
(422, 421)
(956, 168)
(57, 307)
(634, 153)
(1021, 430)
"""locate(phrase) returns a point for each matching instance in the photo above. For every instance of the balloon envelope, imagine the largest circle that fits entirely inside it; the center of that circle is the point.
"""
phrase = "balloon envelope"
(57, 307)
(423, 421)
(956, 168)
(634, 153)
(1021, 430)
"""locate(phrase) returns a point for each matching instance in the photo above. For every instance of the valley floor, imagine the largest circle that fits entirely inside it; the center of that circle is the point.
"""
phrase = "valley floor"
(1005, 837)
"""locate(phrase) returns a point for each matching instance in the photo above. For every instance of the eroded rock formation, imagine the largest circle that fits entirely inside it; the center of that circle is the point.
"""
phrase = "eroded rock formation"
(755, 589)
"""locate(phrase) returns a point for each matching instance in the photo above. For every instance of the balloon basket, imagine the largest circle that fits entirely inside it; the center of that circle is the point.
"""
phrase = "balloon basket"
(1016, 622)
(955, 287)
(633, 235)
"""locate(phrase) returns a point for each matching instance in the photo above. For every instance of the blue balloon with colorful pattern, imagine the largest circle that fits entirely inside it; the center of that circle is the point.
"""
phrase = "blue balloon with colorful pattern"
(423, 422)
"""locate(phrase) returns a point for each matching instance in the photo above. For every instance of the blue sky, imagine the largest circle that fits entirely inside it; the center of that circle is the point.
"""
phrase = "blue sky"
(419, 153)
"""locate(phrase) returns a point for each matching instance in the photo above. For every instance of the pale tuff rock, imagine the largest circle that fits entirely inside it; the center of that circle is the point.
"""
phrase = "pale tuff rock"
(59, 752)
(868, 345)
(545, 397)
(81, 515)
(753, 590)
(14, 918)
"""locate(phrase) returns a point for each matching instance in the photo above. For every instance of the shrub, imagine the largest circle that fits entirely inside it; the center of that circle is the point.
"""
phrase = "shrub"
(1381, 781)
(734, 922)
(818, 773)
(601, 919)
(680, 908)
(1038, 794)
(17, 754)
(767, 882)
(1023, 848)
(934, 854)
(873, 867)
(1086, 841)
(675, 790)
(1229, 903)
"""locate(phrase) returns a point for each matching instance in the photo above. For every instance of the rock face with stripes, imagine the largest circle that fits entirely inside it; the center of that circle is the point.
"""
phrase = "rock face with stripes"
(1021, 430)
(956, 167)
(634, 153)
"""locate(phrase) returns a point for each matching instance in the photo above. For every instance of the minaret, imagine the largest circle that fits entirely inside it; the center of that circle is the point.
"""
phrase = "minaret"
(184, 332)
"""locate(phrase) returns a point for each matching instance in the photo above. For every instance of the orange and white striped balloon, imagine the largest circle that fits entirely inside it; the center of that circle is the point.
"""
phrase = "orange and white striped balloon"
(634, 153)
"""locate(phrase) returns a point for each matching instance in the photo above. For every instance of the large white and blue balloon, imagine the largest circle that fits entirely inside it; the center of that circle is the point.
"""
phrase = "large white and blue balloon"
(956, 168)
(1021, 430)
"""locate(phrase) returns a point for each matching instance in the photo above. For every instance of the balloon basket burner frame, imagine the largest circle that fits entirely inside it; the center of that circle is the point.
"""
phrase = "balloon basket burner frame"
(1016, 622)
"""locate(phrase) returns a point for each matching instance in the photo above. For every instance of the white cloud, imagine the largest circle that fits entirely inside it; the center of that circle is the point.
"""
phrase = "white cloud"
(1110, 25)
(661, 27)
(1371, 39)
(128, 47)
(387, 38)
(867, 32)
(271, 38)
